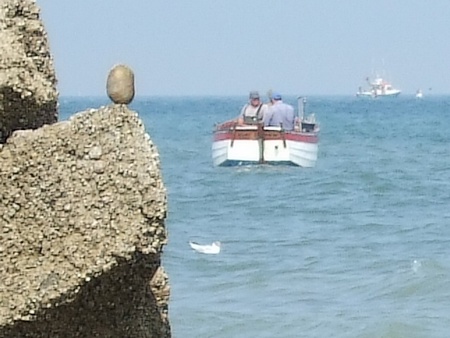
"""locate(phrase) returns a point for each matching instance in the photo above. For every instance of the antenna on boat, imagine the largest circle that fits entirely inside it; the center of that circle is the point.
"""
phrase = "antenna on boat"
(269, 93)
(301, 101)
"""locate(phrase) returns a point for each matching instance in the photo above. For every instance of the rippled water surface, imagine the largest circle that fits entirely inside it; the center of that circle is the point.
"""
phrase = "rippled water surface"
(356, 247)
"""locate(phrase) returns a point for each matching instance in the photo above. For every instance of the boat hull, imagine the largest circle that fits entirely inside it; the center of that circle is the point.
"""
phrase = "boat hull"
(271, 145)
(377, 95)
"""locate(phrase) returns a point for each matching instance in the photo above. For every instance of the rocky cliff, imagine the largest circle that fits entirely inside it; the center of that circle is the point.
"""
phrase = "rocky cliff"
(82, 207)
(28, 95)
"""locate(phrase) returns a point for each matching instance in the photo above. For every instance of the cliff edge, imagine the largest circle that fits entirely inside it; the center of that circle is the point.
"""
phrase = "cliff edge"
(82, 207)
(82, 204)
(28, 95)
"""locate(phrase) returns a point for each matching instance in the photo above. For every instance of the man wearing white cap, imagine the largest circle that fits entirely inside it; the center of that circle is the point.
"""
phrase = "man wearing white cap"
(254, 111)
(280, 114)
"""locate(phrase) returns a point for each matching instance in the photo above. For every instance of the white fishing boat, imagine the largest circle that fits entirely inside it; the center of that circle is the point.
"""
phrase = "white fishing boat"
(249, 144)
(379, 87)
(419, 94)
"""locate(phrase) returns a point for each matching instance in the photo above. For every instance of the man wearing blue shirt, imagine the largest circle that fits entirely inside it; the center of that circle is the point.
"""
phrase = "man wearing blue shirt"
(280, 114)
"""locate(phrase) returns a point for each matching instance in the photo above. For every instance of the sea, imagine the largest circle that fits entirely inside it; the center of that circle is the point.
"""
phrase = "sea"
(358, 246)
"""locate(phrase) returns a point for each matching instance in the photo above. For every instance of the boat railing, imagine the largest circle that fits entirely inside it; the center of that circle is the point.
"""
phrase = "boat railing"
(233, 125)
(273, 128)
(307, 124)
(227, 125)
(247, 127)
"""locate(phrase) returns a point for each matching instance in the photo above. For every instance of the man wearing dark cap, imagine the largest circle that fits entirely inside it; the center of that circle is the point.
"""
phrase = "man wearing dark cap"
(254, 111)
(280, 114)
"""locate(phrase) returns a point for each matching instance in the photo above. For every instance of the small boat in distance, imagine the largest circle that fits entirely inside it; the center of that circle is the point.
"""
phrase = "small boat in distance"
(419, 94)
(379, 87)
(249, 144)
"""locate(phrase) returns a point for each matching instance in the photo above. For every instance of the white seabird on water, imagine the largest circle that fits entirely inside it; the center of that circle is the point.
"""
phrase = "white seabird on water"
(211, 249)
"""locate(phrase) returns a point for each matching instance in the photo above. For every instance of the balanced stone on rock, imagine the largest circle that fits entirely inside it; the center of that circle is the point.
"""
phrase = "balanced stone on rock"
(120, 84)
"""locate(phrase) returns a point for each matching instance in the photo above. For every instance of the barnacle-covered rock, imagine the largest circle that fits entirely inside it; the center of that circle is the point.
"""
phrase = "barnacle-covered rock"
(80, 248)
(28, 94)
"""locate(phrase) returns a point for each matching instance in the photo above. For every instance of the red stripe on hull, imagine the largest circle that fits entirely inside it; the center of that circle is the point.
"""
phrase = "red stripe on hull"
(269, 135)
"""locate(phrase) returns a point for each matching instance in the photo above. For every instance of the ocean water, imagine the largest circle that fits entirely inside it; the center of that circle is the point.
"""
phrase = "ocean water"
(356, 247)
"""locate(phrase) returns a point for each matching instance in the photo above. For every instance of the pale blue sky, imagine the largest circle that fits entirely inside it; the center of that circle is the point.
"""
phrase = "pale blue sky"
(228, 47)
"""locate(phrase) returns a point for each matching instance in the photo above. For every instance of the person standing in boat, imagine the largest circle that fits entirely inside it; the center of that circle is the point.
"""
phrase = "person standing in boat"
(254, 111)
(280, 114)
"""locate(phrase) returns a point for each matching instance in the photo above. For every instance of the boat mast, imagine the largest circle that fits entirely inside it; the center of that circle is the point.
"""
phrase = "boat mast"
(301, 102)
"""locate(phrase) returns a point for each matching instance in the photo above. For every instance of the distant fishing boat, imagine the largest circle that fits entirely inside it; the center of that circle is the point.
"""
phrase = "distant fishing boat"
(419, 94)
(379, 87)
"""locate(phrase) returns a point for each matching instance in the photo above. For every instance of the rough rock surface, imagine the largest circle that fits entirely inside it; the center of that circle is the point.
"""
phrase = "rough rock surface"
(82, 210)
(28, 95)
(82, 205)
